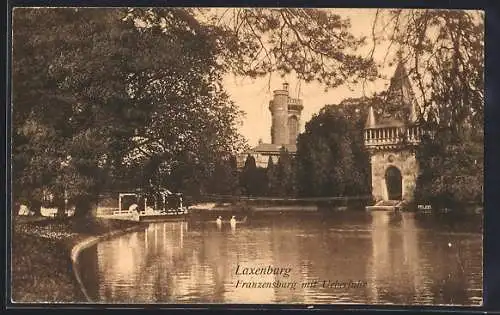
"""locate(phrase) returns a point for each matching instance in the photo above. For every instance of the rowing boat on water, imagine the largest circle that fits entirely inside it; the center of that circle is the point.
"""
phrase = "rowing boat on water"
(157, 205)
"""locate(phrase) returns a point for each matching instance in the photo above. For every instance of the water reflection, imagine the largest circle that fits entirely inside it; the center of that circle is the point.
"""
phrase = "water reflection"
(395, 260)
(396, 257)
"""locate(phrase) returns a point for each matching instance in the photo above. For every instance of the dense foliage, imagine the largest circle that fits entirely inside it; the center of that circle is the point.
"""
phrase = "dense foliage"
(331, 158)
(452, 174)
(275, 180)
(90, 110)
(446, 54)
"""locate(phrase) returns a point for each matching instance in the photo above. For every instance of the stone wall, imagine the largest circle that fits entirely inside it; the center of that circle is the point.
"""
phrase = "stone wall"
(405, 161)
(279, 112)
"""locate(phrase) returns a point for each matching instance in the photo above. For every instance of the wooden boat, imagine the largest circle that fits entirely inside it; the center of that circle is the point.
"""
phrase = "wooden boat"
(162, 205)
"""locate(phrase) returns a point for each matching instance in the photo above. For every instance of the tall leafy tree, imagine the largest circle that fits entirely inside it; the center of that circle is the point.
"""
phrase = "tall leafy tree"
(64, 97)
(234, 176)
(285, 171)
(452, 175)
(85, 109)
(249, 176)
(331, 157)
(273, 181)
(260, 185)
(224, 179)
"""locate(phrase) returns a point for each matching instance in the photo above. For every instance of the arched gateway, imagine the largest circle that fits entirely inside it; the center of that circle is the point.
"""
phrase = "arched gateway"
(394, 183)
(391, 137)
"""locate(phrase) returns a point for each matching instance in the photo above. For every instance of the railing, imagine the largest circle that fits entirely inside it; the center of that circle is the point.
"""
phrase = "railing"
(294, 101)
(297, 101)
(392, 135)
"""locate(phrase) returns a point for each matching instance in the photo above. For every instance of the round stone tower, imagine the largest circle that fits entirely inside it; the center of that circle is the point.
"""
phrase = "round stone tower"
(294, 111)
(279, 111)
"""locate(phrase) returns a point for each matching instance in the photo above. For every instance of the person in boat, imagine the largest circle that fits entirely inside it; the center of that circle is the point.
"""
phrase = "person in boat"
(133, 208)
(149, 210)
(24, 210)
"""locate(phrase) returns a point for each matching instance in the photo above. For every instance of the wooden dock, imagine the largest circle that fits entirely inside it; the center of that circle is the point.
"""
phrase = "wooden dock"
(387, 205)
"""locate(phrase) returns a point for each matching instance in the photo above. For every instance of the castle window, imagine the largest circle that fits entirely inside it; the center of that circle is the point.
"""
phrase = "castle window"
(293, 129)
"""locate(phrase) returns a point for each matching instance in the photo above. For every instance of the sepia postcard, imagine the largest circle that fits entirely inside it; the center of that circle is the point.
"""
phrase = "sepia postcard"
(304, 156)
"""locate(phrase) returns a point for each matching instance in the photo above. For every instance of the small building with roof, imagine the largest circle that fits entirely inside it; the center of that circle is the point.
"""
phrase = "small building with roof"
(391, 138)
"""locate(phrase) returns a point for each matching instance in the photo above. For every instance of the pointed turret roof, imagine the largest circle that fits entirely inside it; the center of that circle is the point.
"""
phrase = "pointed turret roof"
(400, 93)
(370, 119)
(400, 104)
(400, 85)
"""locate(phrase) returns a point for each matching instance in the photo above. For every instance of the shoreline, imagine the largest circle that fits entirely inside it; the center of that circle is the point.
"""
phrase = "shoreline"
(89, 242)
(45, 252)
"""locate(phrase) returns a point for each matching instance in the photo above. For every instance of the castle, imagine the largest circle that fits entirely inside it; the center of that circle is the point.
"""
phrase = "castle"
(285, 128)
(391, 137)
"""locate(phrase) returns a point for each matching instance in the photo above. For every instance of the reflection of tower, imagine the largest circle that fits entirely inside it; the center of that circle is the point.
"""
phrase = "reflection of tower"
(285, 113)
(380, 265)
(411, 255)
(396, 270)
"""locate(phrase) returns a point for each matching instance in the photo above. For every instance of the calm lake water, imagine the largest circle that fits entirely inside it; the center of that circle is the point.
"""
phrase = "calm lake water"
(348, 257)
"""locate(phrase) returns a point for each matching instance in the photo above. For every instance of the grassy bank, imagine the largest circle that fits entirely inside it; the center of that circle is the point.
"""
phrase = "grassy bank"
(41, 263)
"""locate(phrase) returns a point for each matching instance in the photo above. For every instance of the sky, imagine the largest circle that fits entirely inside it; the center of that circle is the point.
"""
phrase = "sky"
(253, 95)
